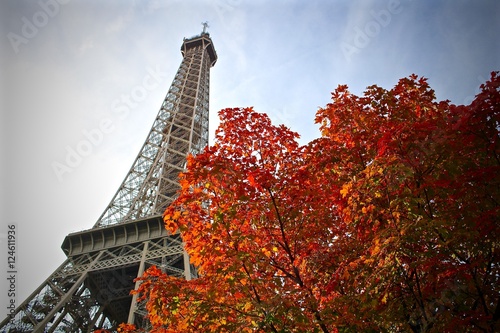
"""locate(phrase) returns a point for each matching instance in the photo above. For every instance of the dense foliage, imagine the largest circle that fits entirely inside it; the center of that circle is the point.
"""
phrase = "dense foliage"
(387, 223)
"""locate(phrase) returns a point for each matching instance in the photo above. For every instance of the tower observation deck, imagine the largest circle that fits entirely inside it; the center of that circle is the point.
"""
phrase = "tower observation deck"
(91, 288)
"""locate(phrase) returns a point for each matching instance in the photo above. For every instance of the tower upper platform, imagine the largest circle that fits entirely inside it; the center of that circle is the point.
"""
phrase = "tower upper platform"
(204, 40)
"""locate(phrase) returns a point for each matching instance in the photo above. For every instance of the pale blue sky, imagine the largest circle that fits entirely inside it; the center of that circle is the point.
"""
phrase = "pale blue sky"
(61, 79)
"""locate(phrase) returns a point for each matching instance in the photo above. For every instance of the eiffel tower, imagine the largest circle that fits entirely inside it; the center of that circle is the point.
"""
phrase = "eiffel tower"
(91, 289)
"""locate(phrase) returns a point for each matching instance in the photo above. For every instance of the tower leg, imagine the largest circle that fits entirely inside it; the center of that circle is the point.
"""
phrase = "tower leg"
(187, 266)
(133, 306)
(40, 328)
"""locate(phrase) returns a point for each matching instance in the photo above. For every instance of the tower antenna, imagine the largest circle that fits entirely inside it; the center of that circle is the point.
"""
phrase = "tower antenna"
(205, 26)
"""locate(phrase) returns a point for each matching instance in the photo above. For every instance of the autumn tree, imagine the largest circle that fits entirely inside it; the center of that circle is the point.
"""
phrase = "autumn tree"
(389, 222)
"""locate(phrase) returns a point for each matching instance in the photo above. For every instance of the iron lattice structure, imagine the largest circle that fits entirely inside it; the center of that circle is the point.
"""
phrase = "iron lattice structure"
(91, 289)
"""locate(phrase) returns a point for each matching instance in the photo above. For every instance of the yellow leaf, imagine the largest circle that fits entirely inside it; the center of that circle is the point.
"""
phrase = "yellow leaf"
(345, 190)
(247, 306)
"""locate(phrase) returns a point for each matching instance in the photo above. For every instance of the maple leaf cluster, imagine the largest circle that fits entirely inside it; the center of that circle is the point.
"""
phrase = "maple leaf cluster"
(389, 222)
